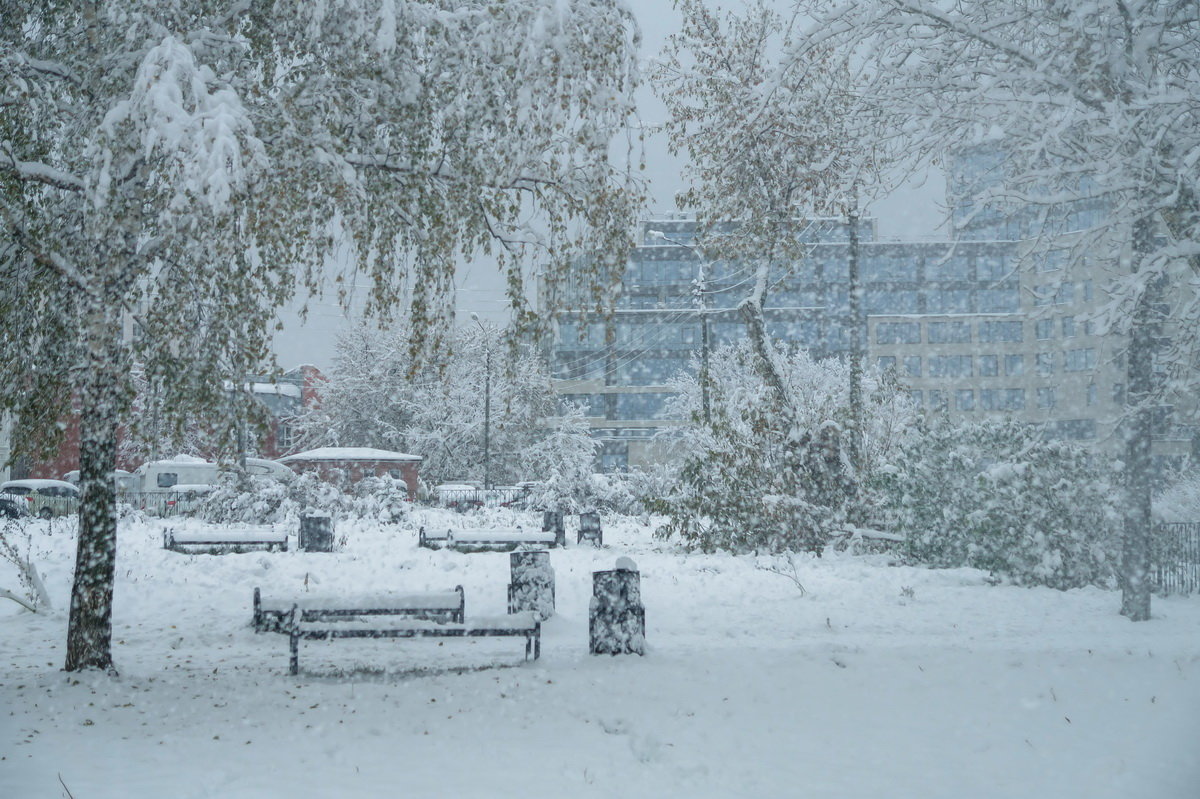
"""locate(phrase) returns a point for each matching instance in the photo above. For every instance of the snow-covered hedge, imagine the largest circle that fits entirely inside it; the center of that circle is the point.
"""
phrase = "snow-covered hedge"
(995, 496)
(1180, 502)
(263, 500)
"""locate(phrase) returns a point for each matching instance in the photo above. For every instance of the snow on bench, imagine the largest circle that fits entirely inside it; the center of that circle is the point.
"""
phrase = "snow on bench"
(219, 541)
(444, 606)
(524, 624)
(489, 539)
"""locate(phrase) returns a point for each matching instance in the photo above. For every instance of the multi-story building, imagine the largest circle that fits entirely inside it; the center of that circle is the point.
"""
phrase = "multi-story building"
(669, 295)
(1006, 320)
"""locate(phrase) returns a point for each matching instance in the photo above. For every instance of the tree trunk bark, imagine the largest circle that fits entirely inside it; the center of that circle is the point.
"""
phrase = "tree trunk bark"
(89, 630)
(1139, 431)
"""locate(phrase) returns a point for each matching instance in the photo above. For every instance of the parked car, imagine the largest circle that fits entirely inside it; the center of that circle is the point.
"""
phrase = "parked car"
(44, 498)
(12, 507)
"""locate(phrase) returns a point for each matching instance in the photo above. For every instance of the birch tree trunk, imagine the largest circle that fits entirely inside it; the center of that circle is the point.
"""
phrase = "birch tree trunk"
(89, 631)
(1139, 432)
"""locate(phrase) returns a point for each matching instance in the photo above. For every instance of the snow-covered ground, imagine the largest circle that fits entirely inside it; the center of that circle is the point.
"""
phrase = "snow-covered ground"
(879, 682)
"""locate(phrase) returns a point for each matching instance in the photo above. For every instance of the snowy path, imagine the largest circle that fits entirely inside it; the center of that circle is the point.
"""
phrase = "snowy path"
(959, 690)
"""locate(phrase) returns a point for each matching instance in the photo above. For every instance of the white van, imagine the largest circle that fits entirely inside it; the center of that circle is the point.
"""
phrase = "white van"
(160, 477)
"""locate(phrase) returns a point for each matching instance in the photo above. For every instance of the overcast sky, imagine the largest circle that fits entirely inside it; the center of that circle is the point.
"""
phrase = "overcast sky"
(914, 212)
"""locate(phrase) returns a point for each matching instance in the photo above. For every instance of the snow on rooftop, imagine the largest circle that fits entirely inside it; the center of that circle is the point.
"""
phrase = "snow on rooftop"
(349, 454)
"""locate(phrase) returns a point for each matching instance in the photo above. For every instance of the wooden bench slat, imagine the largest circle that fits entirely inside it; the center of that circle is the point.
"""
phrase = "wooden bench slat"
(525, 624)
(441, 606)
(482, 538)
(367, 603)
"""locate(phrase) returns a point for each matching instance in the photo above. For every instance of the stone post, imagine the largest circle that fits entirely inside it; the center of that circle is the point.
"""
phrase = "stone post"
(617, 619)
(316, 533)
(589, 529)
(532, 586)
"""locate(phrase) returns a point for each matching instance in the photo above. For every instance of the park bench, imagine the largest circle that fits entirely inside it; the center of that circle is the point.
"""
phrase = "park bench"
(444, 606)
(476, 540)
(218, 542)
(524, 624)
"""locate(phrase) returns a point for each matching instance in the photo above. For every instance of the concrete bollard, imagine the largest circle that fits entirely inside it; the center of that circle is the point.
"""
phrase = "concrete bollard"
(552, 522)
(532, 586)
(616, 618)
(589, 529)
(316, 533)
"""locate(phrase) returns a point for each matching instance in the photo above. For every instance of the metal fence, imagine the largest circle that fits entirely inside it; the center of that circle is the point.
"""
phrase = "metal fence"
(1175, 558)
(182, 503)
(468, 498)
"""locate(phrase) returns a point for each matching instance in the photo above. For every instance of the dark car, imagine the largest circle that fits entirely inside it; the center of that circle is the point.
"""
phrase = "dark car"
(12, 507)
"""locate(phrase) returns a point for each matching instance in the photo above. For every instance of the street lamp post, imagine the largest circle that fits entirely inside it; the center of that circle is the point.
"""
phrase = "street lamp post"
(487, 404)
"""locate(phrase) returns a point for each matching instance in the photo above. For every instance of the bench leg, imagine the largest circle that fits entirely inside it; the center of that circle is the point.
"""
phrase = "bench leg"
(294, 661)
(537, 644)
(528, 645)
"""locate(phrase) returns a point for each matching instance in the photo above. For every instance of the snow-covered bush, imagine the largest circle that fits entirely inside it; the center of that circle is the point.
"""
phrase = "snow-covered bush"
(264, 500)
(16, 547)
(760, 477)
(997, 496)
(630, 494)
(1180, 501)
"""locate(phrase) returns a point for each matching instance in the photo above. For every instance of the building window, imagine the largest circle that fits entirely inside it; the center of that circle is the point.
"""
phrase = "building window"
(950, 267)
(1046, 397)
(167, 479)
(1045, 363)
(999, 300)
(948, 301)
(993, 267)
(1007, 399)
(1080, 360)
(938, 400)
(989, 365)
(1093, 394)
(1065, 295)
(1087, 291)
(614, 456)
(887, 362)
(950, 366)
(917, 397)
(949, 333)
(883, 303)
(1049, 261)
(1044, 329)
(639, 407)
(284, 439)
(912, 365)
(1068, 326)
(898, 333)
(1000, 331)
(964, 399)
(1014, 365)
(590, 404)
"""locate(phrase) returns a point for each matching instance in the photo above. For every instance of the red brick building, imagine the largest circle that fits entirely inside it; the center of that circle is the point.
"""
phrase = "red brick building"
(351, 464)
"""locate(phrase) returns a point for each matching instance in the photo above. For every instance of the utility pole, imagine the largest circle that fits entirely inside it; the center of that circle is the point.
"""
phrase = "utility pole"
(702, 310)
(854, 441)
(487, 403)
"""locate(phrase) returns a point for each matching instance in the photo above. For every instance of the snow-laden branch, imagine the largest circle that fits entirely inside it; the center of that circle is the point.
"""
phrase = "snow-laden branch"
(37, 172)
(46, 67)
(49, 258)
